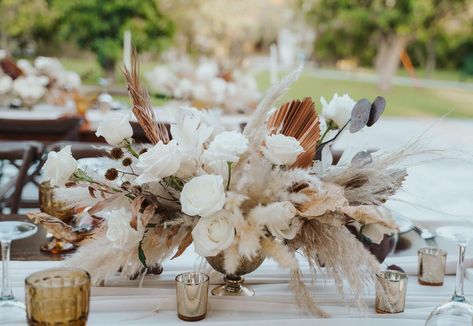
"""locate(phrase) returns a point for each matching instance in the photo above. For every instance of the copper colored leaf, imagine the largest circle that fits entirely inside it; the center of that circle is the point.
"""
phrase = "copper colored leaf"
(186, 242)
(360, 115)
(135, 210)
(377, 109)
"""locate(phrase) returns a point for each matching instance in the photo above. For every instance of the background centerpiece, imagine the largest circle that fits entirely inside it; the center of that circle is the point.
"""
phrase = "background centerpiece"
(238, 197)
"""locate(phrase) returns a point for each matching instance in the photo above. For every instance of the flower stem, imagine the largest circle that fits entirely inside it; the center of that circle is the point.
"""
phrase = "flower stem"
(132, 151)
(229, 164)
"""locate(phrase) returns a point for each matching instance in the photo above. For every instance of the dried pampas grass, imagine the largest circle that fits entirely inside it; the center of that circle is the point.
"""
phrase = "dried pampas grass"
(142, 108)
(337, 250)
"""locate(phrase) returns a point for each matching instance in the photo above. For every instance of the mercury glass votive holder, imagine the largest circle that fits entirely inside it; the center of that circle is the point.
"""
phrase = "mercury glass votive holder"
(391, 288)
(58, 296)
(192, 292)
(432, 262)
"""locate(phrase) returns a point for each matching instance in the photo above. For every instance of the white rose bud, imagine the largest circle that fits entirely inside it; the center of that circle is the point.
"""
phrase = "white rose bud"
(282, 150)
(338, 109)
(203, 195)
(228, 146)
(59, 166)
(160, 161)
(115, 129)
(278, 217)
(213, 234)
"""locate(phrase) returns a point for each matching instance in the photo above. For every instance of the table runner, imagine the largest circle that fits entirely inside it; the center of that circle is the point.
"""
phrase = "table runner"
(122, 301)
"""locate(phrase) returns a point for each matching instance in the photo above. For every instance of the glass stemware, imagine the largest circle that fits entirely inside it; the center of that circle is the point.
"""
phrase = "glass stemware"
(10, 309)
(458, 311)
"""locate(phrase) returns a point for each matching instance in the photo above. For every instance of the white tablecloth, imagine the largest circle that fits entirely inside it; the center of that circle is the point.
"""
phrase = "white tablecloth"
(121, 301)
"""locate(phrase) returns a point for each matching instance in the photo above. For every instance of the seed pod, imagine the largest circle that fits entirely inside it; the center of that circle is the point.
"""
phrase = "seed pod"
(127, 161)
(111, 174)
(116, 153)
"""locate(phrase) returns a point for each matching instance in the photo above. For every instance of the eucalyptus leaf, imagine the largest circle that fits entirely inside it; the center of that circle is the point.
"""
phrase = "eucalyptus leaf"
(377, 109)
(360, 115)
(361, 159)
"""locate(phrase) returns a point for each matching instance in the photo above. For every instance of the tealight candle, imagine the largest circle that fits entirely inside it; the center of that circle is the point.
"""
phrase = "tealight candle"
(192, 291)
(391, 288)
(431, 269)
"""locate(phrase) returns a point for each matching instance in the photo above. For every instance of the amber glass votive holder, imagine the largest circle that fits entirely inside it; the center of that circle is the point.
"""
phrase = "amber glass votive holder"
(391, 289)
(192, 293)
(432, 262)
(58, 296)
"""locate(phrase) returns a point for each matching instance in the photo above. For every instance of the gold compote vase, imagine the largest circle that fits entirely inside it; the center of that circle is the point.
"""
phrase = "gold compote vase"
(49, 205)
(234, 282)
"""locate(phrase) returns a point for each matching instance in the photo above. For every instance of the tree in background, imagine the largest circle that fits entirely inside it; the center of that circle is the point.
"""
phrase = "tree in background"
(380, 28)
(98, 26)
(23, 23)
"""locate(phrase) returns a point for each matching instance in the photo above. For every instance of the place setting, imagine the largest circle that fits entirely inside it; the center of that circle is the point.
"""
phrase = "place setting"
(228, 163)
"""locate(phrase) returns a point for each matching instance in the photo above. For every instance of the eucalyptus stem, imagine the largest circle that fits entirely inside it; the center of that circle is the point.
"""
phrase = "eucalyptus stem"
(132, 151)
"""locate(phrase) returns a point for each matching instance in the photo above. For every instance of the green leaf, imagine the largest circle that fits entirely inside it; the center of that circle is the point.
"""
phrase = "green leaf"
(141, 254)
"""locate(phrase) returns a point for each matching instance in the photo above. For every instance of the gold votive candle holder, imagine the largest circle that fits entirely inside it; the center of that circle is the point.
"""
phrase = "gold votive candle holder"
(391, 288)
(58, 296)
(192, 292)
(432, 262)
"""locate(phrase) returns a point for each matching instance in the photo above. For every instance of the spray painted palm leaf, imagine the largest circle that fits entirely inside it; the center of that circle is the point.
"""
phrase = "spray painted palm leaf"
(298, 119)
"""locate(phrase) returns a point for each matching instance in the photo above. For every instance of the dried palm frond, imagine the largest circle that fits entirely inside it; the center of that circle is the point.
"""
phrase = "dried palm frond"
(255, 130)
(142, 108)
(298, 119)
(338, 249)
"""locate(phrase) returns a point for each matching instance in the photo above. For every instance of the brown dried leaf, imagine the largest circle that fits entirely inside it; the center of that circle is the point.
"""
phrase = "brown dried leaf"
(103, 204)
(147, 214)
(92, 192)
(186, 242)
(135, 210)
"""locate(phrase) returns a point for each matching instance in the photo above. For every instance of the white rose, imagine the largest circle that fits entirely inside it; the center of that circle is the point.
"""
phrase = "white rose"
(6, 84)
(59, 166)
(278, 217)
(72, 80)
(338, 109)
(30, 88)
(207, 70)
(282, 150)
(213, 234)
(160, 161)
(119, 229)
(115, 129)
(228, 146)
(203, 195)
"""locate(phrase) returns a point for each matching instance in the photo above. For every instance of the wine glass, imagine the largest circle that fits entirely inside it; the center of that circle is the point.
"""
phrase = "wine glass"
(11, 309)
(458, 311)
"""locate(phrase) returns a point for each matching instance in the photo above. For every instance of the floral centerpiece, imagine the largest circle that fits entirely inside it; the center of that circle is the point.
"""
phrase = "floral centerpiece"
(268, 190)
(26, 84)
(207, 85)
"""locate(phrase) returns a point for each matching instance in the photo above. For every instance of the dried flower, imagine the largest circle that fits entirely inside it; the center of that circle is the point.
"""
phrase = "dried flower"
(143, 150)
(116, 153)
(126, 185)
(111, 174)
(127, 161)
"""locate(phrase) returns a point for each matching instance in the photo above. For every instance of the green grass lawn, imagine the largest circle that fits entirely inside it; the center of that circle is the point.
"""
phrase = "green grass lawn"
(401, 100)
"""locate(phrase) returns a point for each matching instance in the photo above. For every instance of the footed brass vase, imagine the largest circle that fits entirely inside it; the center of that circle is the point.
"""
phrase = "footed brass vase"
(234, 282)
(49, 205)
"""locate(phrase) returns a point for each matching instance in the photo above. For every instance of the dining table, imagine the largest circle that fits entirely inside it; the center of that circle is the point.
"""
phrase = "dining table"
(151, 299)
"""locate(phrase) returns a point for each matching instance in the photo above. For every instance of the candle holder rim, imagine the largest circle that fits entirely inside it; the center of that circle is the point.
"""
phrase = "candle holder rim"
(36, 275)
(402, 275)
(206, 277)
(429, 251)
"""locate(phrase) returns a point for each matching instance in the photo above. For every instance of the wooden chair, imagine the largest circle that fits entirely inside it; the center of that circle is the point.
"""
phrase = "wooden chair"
(29, 153)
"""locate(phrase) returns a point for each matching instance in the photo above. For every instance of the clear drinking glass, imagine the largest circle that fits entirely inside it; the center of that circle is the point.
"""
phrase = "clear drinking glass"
(11, 310)
(458, 311)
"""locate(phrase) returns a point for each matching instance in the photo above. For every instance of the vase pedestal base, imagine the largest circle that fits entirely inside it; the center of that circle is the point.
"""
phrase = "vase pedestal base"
(233, 287)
